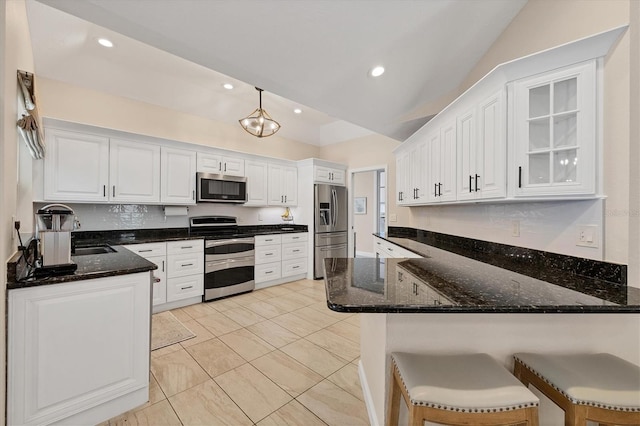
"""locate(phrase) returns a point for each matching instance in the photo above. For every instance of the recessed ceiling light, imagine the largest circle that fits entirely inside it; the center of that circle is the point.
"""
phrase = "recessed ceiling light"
(377, 71)
(105, 42)
(228, 86)
(297, 111)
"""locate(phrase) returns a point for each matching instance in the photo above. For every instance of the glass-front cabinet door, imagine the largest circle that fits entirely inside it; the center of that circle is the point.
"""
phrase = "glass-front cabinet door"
(554, 132)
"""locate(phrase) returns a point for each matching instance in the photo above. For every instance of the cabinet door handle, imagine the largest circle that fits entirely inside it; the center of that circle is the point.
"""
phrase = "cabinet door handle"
(470, 187)
(104, 190)
(268, 272)
(220, 166)
(186, 247)
(225, 167)
(187, 264)
(477, 177)
(295, 238)
(163, 266)
(144, 251)
(114, 190)
(186, 288)
(435, 189)
(440, 189)
(296, 267)
(285, 198)
(296, 251)
(520, 177)
(156, 279)
(193, 195)
(268, 254)
(282, 198)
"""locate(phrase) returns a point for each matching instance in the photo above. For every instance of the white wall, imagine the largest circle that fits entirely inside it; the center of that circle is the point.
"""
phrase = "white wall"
(15, 53)
(364, 185)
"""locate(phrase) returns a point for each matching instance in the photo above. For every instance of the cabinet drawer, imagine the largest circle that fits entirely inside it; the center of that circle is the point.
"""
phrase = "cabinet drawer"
(294, 250)
(268, 272)
(293, 238)
(185, 287)
(267, 254)
(294, 267)
(179, 265)
(185, 246)
(265, 240)
(148, 250)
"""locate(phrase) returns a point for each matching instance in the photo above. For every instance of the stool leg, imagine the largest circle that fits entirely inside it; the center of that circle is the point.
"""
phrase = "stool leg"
(393, 407)
(532, 416)
(575, 415)
(416, 416)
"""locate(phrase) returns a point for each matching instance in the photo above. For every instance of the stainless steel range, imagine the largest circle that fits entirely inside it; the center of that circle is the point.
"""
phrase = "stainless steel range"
(229, 256)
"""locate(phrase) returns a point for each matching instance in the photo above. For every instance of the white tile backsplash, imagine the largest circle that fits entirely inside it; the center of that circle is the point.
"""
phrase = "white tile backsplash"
(103, 217)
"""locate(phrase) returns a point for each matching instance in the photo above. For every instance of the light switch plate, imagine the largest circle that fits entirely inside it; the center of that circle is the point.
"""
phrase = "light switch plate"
(393, 217)
(515, 228)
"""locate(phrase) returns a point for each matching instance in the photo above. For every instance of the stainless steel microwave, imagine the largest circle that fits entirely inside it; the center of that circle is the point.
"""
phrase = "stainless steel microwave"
(216, 188)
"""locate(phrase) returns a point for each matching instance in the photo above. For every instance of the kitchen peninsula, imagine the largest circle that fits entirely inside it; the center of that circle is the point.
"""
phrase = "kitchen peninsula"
(78, 343)
(447, 302)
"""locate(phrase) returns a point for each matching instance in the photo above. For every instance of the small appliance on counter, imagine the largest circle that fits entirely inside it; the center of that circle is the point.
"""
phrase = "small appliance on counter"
(54, 224)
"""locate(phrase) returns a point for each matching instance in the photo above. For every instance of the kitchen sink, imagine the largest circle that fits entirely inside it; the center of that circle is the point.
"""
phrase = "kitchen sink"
(83, 251)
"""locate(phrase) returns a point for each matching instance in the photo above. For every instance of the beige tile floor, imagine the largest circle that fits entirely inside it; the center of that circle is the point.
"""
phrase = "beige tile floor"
(276, 356)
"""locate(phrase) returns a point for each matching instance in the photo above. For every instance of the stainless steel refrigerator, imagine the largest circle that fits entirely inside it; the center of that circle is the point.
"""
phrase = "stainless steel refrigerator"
(331, 221)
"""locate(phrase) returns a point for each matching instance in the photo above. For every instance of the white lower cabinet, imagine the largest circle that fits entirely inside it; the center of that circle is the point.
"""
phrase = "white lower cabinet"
(281, 258)
(179, 279)
(386, 249)
(78, 352)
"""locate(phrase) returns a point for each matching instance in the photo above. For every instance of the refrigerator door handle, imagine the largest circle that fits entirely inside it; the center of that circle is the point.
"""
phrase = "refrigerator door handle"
(334, 205)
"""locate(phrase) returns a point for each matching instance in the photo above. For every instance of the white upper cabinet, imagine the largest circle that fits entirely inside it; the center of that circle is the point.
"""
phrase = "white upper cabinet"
(442, 163)
(257, 183)
(178, 177)
(481, 150)
(412, 174)
(221, 164)
(324, 174)
(134, 172)
(76, 167)
(554, 132)
(283, 185)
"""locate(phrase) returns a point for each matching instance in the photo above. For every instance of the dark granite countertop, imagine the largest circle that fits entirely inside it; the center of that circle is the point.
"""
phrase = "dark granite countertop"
(119, 262)
(141, 236)
(444, 282)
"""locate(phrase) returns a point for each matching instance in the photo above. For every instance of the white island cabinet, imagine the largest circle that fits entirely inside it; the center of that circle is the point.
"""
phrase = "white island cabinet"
(78, 352)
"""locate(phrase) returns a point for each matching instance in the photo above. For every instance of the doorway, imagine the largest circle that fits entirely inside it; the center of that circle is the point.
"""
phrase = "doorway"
(368, 196)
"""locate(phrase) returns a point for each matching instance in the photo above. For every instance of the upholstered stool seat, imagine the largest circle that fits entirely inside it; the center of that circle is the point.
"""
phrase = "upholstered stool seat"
(597, 387)
(470, 389)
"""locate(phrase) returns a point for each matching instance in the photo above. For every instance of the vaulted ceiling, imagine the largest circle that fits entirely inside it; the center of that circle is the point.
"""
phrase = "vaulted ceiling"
(311, 54)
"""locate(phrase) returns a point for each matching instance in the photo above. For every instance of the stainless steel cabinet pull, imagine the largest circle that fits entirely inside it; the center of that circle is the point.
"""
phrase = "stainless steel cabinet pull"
(193, 195)
(520, 177)
(220, 166)
(435, 189)
(285, 198)
(114, 190)
(477, 177)
(104, 190)
(187, 287)
(470, 186)
(295, 238)
(296, 267)
(144, 251)
(389, 248)
(268, 272)
(268, 254)
(187, 264)
(186, 247)
(225, 167)
(163, 266)
(296, 251)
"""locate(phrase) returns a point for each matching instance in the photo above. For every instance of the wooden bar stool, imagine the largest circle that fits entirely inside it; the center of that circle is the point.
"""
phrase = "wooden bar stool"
(597, 387)
(469, 389)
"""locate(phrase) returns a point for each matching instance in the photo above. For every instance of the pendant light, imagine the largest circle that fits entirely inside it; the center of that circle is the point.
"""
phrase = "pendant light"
(259, 123)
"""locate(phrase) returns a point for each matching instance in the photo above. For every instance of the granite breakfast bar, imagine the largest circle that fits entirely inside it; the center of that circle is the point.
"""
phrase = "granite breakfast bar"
(444, 303)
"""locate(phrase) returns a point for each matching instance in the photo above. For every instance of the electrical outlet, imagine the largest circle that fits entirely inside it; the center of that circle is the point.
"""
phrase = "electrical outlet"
(515, 228)
(259, 217)
(587, 236)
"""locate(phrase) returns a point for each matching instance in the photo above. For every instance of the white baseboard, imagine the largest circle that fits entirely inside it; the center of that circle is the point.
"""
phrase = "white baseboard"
(280, 281)
(368, 399)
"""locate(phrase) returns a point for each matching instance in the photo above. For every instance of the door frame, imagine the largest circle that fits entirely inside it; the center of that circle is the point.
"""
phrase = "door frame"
(350, 186)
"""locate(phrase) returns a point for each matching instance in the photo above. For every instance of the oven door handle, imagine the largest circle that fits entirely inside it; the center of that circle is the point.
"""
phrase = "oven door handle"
(216, 243)
(219, 265)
